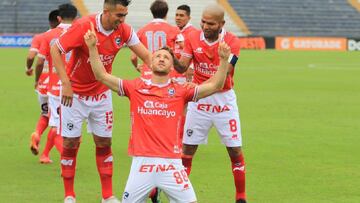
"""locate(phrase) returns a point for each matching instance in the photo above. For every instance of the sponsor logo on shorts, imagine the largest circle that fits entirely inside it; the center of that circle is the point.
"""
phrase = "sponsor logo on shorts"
(70, 126)
(148, 168)
(126, 195)
(213, 108)
(189, 132)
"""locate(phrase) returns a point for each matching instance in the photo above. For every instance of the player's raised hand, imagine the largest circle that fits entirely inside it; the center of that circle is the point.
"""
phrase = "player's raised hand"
(90, 36)
(224, 51)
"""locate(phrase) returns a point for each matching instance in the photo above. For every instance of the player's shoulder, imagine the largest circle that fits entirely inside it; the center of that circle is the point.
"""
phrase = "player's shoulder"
(230, 36)
(195, 33)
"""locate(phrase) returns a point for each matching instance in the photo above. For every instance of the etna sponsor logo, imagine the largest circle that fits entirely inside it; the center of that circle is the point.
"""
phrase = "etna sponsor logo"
(212, 108)
(148, 168)
(155, 108)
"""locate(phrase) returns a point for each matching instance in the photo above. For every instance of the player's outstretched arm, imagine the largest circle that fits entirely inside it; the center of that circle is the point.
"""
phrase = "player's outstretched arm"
(217, 81)
(96, 65)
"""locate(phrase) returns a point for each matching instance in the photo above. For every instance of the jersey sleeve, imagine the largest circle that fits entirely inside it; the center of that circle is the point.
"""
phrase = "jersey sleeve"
(130, 36)
(188, 50)
(36, 43)
(235, 46)
(126, 87)
(72, 38)
(191, 94)
(44, 49)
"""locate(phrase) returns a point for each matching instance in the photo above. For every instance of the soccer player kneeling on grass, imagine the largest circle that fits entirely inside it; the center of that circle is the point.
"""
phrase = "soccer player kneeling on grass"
(156, 107)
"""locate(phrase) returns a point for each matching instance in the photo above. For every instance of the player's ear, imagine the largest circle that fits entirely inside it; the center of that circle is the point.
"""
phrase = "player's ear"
(59, 19)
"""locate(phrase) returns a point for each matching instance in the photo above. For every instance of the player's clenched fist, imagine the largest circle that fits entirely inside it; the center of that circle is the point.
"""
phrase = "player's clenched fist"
(224, 50)
(90, 37)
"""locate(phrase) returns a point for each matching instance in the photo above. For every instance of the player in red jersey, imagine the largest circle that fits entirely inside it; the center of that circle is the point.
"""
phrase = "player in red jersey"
(156, 107)
(67, 14)
(219, 109)
(182, 20)
(41, 85)
(156, 34)
(85, 98)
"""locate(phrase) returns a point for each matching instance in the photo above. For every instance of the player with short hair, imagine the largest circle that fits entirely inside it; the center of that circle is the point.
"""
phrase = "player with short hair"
(156, 34)
(219, 109)
(85, 98)
(156, 108)
(67, 14)
(182, 20)
(40, 85)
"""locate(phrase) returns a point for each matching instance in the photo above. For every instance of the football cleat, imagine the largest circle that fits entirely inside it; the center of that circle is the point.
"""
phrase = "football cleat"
(111, 199)
(155, 196)
(240, 201)
(34, 143)
(69, 199)
(45, 160)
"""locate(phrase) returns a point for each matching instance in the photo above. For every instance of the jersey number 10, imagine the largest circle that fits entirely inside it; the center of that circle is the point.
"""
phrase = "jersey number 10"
(155, 40)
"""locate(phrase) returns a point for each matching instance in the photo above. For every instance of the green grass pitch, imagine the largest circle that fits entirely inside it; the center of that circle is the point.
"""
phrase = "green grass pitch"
(300, 116)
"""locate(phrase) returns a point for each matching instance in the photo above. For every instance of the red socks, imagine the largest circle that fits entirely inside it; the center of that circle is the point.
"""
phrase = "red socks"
(104, 163)
(238, 169)
(68, 164)
(187, 162)
(49, 142)
(41, 125)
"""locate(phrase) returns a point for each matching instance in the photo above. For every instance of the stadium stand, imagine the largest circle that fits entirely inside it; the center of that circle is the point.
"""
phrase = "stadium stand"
(140, 14)
(24, 16)
(299, 18)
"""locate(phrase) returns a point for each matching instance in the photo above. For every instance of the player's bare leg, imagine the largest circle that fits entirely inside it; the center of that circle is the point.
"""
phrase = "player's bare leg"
(188, 153)
(238, 170)
(104, 163)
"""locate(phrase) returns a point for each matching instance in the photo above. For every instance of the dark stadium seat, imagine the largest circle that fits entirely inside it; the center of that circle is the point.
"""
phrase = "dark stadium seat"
(299, 18)
(24, 16)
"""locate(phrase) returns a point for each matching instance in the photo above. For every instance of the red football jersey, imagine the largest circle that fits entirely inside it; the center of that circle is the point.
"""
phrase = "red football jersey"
(187, 29)
(158, 33)
(49, 39)
(206, 58)
(156, 112)
(109, 43)
(36, 42)
(42, 86)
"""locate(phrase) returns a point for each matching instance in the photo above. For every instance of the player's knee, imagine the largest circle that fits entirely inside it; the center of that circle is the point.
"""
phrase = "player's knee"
(102, 141)
(234, 151)
(189, 149)
(71, 143)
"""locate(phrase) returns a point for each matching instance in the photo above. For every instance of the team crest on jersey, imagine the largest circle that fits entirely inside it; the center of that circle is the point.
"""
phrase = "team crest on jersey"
(171, 92)
(118, 41)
